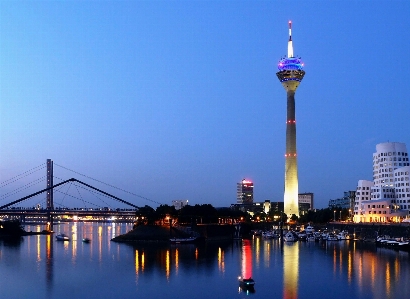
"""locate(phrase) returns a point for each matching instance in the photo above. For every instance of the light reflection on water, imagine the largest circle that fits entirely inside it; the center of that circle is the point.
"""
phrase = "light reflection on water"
(50, 269)
(290, 270)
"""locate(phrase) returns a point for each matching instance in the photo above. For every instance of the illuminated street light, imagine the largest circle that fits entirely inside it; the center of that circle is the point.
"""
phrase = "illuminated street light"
(334, 216)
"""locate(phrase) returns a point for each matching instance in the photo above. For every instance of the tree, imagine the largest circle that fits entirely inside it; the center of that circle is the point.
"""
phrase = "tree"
(205, 213)
(164, 210)
(146, 215)
(11, 228)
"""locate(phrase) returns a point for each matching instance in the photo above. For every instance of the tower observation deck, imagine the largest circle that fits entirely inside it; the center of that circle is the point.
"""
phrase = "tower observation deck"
(290, 74)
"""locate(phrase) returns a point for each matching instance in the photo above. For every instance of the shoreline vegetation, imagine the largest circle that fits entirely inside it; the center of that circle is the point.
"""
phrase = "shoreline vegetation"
(14, 229)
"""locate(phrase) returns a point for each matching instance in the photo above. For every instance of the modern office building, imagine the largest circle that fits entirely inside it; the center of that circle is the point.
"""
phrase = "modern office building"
(290, 74)
(244, 192)
(387, 198)
(305, 202)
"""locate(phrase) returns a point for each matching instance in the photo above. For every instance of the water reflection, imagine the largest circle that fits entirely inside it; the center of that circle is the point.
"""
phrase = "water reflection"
(171, 259)
(49, 258)
(246, 259)
(246, 282)
(290, 270)
(367, 269)
(49, 268)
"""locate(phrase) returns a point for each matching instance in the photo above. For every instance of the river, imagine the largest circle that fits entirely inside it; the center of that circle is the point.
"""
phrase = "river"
(38, 266)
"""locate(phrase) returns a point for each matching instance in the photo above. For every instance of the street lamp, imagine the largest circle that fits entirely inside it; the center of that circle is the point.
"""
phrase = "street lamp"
(334, 216)
(340, 217)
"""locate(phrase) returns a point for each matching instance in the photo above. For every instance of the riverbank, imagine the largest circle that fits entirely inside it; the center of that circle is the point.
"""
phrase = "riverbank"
(215, 232)
(158, 233)
(145, 233)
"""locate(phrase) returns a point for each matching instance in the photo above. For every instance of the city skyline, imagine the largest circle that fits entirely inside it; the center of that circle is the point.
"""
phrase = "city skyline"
(180, 101)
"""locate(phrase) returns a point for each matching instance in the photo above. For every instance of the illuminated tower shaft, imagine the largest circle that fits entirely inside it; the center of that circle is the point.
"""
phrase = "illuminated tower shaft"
(291, 204)
(290, 75)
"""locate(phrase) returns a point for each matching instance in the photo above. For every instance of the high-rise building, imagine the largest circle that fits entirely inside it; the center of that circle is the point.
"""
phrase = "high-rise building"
(387, 198)
(290, 74)
(244, 192)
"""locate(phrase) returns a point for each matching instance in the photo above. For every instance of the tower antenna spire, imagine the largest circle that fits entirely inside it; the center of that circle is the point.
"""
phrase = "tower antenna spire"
(290, 43)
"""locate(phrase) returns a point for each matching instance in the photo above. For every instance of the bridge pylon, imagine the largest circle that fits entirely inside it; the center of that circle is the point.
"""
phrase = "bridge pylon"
(50, 191)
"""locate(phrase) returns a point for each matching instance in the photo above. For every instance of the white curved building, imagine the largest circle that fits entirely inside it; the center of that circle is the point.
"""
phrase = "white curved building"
(389, 192)
(363, 195)
(402, 188)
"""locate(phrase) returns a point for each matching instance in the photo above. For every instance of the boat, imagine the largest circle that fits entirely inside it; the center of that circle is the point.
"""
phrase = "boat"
(302, 235)
(290, 237)
(343, 235)
(86, 240)
(62, 237)
(183, 240)
(311, 238)
(331, 237)
(396, 243)
(270, 235)
(318, 236)
(309, 229)
(247, 284)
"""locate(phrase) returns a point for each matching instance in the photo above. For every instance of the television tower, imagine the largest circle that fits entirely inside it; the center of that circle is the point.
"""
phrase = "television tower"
(290, 74)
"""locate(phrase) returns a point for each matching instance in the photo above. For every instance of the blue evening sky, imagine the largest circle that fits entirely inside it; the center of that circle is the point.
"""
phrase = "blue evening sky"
(180, 99)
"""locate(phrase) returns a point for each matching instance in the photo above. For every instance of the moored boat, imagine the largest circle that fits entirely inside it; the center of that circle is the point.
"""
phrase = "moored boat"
(309, 229)
(183, 240)
(396, 243)
(311, 238)
(247, 284)
(270, 235)
(290, 237)
(62, 237)
(343, 235)
(302, 236)
(331, 237)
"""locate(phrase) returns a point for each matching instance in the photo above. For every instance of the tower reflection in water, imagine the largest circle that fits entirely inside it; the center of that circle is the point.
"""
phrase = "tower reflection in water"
(246, 282)
(290, 270)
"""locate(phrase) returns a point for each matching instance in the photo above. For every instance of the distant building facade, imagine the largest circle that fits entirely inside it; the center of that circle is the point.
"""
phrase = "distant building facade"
(179, 204)
(305, 202)
(345, 202)
(244, 192)
(387, 198)
(259, 207)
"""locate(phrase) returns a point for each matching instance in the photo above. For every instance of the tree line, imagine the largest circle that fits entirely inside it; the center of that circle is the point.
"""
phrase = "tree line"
(206, 213)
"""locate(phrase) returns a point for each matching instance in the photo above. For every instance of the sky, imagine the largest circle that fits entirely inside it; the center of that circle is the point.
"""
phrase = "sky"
(179, 100)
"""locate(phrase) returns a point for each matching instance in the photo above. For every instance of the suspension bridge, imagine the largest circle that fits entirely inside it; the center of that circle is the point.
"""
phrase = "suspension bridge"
(61, 200)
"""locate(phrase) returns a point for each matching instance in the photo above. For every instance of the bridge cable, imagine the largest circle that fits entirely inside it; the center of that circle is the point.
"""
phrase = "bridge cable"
(143, 197)
(22, 175)
(4, 196)
(69, 195)
(89, 190)
(78, 191)
(95, 194)
(99, 192)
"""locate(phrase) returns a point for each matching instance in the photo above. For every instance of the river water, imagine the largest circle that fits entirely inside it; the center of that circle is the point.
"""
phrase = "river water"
(38, 266)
